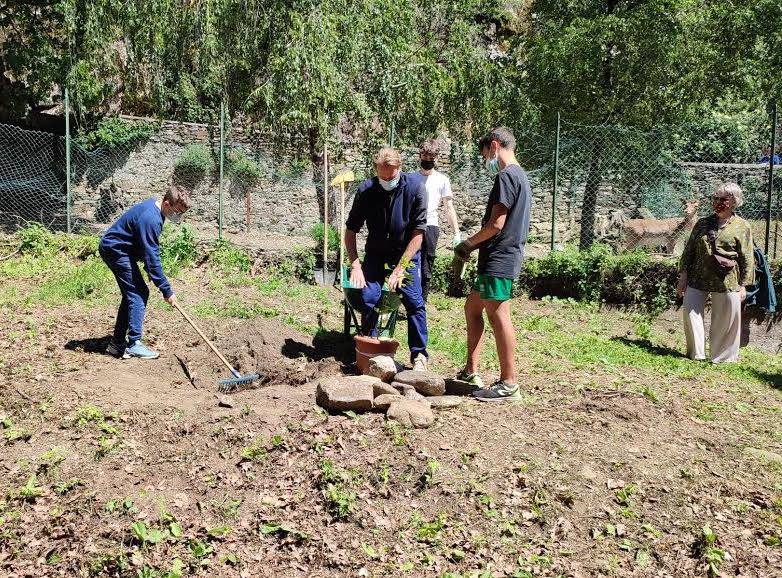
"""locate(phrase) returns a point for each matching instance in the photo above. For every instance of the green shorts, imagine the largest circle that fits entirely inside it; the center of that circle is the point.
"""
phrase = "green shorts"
(493, 288)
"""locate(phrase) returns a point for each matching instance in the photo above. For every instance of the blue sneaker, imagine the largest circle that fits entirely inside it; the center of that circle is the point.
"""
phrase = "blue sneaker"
(138, 349)
(115, 349)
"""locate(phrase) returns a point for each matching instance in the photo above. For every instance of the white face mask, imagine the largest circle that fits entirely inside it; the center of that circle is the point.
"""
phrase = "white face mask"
(389, 185)
(175, 218)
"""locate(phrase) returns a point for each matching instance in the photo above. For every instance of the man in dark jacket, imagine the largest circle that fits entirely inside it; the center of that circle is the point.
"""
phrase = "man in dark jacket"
(393, 207)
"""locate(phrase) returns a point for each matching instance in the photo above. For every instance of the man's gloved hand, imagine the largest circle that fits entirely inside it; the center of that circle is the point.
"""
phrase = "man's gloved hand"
(457, 238)
(462, 250)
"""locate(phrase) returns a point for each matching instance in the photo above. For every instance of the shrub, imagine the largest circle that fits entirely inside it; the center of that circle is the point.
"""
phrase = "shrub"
(177, 248)
(599, 274)
(776, 277)
(38, 241)
(115, 133)
(229, 258)
(194, 165)
(317, 234)
(243, 169)
(440, 280)
(300, 265)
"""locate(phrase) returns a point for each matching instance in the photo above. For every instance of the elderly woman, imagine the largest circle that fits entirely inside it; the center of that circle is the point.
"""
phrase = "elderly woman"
(717, 260)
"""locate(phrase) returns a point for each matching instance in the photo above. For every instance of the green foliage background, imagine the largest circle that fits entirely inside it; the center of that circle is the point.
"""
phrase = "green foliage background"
(299, 68)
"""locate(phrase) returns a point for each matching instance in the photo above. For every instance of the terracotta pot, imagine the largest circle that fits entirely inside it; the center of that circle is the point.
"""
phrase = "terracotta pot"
(369, 347)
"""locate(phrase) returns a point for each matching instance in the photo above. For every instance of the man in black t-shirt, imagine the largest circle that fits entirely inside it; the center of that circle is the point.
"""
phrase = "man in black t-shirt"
(500, 244)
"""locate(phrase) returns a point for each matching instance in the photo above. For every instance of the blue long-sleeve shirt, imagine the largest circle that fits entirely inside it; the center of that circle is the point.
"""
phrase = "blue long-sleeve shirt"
(137, 234)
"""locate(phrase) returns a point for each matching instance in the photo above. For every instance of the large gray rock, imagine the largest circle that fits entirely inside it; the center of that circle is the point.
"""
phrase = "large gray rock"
(383, 367)
(411, 413)
(425, 382)
(444, 401)
(384, 401)
(407, 391)
(381, 388)
(345, 393)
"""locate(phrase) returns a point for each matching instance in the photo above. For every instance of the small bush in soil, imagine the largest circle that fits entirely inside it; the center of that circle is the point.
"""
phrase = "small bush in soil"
(705, 547)
(299, 266)
(177, 248)
(316, 232)
(229, 258)
(339, 496)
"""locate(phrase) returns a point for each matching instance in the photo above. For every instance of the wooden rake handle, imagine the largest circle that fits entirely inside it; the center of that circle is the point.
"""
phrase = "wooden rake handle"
(205, 338)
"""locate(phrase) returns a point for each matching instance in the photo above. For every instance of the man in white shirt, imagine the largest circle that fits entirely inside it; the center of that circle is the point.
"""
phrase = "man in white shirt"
(438, 188)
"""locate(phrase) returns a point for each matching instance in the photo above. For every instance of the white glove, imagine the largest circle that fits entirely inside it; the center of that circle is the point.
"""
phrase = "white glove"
(457, 238)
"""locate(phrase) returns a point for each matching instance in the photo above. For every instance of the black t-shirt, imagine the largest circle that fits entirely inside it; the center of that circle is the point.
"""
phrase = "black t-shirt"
(501, 256)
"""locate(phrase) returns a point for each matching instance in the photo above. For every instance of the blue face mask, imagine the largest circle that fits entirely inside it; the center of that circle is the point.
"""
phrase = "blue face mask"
(492, 166)
(389, 185)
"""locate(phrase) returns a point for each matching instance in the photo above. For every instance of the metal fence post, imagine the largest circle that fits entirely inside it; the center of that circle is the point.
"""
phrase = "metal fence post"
(67, 161)
(220, 182)
(556, 185)
(771, 173)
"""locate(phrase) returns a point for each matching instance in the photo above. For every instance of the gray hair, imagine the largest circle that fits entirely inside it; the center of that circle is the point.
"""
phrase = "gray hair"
(733, 190)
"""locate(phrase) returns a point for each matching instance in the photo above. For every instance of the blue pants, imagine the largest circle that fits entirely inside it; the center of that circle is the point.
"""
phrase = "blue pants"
(135, 293)
(412, 298)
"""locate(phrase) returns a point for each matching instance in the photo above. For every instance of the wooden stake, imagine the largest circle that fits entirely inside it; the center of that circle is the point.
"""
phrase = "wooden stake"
(325, 209)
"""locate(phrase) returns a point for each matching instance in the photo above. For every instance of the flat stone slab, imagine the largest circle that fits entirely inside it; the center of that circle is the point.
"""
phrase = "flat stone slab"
(424, 382)
(445, 401)
(411, 413)
(353, 393)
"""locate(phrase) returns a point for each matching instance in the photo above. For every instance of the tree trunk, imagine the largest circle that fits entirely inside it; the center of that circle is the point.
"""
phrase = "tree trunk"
(316, 157)
(589, 207)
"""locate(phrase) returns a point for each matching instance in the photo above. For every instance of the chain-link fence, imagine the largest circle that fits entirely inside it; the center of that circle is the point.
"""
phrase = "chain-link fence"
(635, 189)
(606, 184)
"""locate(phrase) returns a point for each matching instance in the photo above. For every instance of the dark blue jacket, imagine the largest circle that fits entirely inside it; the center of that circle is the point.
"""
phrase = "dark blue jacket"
(391, 217)
(762, 293)
(136, 234)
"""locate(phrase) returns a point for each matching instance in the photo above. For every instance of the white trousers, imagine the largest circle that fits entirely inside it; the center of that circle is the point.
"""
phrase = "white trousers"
(725, 330)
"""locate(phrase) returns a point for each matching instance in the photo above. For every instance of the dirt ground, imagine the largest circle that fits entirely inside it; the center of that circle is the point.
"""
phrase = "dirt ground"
(619, 455)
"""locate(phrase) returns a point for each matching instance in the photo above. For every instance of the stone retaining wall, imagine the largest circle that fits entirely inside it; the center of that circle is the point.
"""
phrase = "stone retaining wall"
(290, 201)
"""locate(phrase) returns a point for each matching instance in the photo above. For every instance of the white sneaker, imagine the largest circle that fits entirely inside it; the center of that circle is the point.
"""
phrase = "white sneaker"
(420, 362)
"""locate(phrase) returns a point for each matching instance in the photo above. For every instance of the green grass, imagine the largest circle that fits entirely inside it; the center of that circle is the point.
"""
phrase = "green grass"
(234, 307)
(589, 351)
(87, 281)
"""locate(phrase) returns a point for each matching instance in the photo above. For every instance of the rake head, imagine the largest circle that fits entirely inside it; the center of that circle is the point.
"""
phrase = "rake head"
(231, 385)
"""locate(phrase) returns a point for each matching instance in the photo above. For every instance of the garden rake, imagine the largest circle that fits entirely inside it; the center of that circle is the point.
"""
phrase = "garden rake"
(224, 385)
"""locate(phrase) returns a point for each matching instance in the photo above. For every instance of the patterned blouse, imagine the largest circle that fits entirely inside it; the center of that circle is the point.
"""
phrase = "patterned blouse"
(734, 241)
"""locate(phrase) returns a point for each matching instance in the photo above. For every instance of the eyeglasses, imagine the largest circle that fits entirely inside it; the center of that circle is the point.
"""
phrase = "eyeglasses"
(720, 199)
